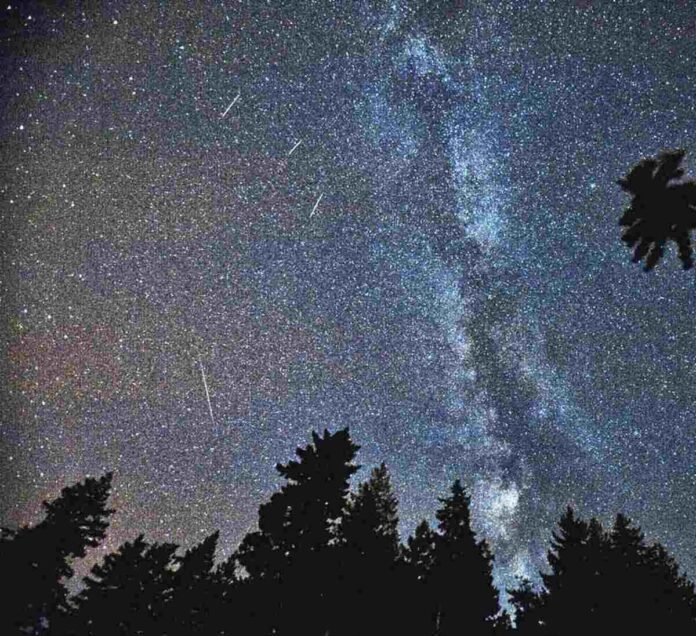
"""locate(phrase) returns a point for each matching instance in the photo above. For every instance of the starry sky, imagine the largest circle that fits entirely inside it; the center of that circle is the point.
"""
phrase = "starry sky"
(187, 292)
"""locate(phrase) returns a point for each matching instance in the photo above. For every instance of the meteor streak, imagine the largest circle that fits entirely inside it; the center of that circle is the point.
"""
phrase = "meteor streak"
(207, 393)
(316, 205)
(294, 147)
(232, 103)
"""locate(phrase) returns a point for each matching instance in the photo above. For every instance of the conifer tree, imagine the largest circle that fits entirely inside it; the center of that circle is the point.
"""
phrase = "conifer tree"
(195, 592)
(237, 603)
(528, 603)
(662, 209)
(128, 593)
(419, 552)
(571, 586)
(649, 591)
(370, 523)
(288, 559)
(418, 557)
(40, 557)
(606, 583)
(462, 572)
(369, 549)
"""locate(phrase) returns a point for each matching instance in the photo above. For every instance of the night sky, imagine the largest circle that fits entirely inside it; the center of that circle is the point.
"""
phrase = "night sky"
(436, 265)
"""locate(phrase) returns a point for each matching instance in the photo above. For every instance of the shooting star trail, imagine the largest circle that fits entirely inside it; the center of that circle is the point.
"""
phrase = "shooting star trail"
(295, 147)
(232, 103)
(207, 393)
(316, 205)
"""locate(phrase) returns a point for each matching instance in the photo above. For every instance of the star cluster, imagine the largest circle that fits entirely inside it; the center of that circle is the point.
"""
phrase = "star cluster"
(187, 292)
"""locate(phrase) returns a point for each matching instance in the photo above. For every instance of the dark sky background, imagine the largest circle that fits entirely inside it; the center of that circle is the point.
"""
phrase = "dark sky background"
(459, 297)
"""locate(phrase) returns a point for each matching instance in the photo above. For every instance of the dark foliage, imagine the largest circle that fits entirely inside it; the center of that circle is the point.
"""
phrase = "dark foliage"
(39, 558)
(607, 583)
(127, 593)
(662, 209)
(420, 601)
(193, 601)
(291, 559)
(368, 548)
(326, 562)
(461, 575)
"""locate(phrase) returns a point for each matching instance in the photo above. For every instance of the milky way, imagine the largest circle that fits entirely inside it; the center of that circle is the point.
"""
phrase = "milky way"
(229, 224)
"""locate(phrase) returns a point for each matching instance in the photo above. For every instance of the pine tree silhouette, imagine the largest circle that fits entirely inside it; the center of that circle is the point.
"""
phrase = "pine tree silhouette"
(195, 594)
(528, 602)
(608, 583)
(462, 572)
(368, 551)
(418, 557)
(324, 563)
(565, 558)
(40, 557)
(291, 560)
(370, 523)
(649, 592)
(128, 593)
(571, 602)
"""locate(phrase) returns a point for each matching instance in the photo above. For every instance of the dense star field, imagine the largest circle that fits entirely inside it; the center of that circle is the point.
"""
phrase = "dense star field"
(187, 292)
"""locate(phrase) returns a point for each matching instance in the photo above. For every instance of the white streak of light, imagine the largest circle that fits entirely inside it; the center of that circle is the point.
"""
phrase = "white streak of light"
(316, 205)
(232, 103)
(294, 147)
(207, 393)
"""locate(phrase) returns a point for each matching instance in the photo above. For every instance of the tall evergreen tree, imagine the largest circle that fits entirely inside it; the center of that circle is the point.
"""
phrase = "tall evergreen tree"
(462, 572)
(288, 559)
(195, 591)
(128, 593)
(648, 590)
(528, 603)
(369, 549)
(418, 558)
(603, 582)
(40, 557)
(569, 603)
(419, 552)
(370, 523)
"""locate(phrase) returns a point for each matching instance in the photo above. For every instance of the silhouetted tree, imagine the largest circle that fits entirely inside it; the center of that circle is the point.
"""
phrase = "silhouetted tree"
(419, 552)
(128, 593)
(574, 584)
(605, 583)
(368, 552)
(418, 557)
(528, 603)
(39, 558)
(195, 591)
(370, 523)
(238, 605)
(326, 563)
(662, 209)
(462, 571)
(649, 592)
(288, 559)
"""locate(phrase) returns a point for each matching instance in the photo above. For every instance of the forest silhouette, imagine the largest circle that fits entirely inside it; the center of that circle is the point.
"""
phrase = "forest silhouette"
(326, 560)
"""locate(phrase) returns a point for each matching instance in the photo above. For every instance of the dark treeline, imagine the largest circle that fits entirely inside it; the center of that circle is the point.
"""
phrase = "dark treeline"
(327, 561)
